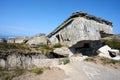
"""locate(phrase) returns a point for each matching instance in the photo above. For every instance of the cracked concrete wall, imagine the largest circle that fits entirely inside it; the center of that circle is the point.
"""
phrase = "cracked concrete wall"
(80, 29)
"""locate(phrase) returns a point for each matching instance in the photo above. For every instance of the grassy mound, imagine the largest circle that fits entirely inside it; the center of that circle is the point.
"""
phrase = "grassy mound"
(113, 43)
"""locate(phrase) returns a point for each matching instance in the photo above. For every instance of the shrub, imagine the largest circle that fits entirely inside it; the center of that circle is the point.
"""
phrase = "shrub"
(57, 45)
(113, 43)
(44, 48)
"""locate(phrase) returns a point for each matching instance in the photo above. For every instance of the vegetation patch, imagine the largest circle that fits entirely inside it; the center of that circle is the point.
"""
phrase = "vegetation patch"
(6, 74)
(37, 70)
(7, 46)
(57, 45)
(113, 43)
(102, 60)
(46, 49)
(91, 59)
(109, 61)
(64, 61)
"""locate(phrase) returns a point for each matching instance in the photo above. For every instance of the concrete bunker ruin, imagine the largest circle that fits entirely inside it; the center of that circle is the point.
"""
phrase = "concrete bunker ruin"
(82, 32)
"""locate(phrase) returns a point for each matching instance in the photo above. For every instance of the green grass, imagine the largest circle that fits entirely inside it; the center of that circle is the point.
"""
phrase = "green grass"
(7, 46)
(37, 71)
(109, 61)
(113, 43)
(103, 60)
(46, 49)
(57, 45)
(41, 47)
(91, 59)
(6, 74)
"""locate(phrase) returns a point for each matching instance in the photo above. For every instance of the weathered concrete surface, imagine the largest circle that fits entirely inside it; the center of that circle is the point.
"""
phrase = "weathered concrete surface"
(64, 51)
(13, 59)
(38, 39)
(18, 40)
(11, 40)
(87, 48)
(79, 29)
(21, 39)
(22, 61)
(103, 51)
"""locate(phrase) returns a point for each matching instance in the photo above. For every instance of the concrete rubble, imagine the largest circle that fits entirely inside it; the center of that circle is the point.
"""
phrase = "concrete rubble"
(38, 39)
(2, 40)
(106, 51)
(64, 51)
(18, 39)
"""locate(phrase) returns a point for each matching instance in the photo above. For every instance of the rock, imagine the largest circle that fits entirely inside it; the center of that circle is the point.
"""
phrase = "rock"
(64, 51)
(18, 40)
(2, 40)
(106, 51)
(23, 60)
(14, 60)
(38, 39)
(11, 40)
(21, 39)
(103, 51)
(27, 61)
(2, 63)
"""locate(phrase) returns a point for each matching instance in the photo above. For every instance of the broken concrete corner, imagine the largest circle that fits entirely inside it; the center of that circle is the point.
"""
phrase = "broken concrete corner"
(106, 51)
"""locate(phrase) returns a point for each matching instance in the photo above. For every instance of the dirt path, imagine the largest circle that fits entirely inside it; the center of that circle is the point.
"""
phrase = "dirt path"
(90, 71)
(49, 74)
(79, 70)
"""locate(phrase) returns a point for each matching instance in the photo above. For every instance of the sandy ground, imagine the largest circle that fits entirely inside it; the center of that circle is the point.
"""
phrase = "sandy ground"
(49, 74)
(75, 71)
(90, 71)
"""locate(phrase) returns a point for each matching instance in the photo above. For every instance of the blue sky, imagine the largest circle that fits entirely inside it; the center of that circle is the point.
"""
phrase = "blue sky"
(29, 17)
